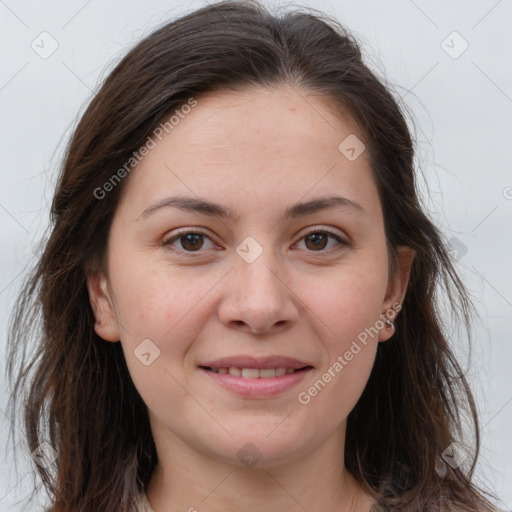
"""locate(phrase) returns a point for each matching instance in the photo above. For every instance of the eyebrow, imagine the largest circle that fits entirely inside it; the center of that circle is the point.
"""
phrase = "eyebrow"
(205, 207)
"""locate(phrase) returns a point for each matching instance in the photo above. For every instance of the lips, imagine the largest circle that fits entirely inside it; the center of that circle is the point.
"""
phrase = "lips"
(259, 363)
(256, 377)
(249, 367)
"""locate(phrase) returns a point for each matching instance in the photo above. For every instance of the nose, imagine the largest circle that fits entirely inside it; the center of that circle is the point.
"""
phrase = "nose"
(258, 299)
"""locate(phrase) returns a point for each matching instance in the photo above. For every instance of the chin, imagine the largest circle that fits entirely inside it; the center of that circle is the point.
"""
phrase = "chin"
(263, 449)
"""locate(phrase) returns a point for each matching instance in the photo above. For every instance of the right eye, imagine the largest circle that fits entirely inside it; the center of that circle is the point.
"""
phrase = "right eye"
(190, 241)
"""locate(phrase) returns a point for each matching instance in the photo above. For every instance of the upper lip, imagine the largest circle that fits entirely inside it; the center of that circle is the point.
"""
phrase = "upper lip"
(261, 363)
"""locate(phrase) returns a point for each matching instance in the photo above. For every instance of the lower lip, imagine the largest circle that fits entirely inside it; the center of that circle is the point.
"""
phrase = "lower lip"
(256, 388)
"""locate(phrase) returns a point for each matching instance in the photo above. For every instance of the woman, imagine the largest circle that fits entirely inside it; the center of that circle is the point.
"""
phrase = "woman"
(239, 293)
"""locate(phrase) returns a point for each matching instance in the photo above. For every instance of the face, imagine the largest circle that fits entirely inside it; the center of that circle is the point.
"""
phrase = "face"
(274, 258)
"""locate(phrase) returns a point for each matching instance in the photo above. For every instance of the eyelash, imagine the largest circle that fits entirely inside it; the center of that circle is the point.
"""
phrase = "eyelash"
(180, 234)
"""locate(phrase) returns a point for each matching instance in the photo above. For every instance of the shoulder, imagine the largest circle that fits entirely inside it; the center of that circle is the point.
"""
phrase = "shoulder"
(380, 506)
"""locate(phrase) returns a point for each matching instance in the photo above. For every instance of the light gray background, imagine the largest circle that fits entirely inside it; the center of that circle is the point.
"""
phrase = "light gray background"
(462, 107)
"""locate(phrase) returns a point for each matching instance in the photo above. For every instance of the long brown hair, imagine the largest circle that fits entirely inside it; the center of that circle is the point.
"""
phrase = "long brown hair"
(74, 389)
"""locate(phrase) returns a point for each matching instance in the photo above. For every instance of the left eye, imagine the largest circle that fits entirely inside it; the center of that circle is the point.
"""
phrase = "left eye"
(318, 240)
(190, 241)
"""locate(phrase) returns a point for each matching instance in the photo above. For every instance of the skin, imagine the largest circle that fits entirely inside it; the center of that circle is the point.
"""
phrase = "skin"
(256, 151)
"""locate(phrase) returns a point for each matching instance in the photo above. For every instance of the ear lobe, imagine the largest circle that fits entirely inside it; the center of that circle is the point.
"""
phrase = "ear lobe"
(397, 287)
(102, 307)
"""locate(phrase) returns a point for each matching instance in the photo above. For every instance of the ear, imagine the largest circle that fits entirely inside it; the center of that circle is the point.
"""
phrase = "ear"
(397, 286)
(102, 305)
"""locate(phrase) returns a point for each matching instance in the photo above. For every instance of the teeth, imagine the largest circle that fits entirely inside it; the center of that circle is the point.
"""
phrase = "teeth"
(250, 373)
(254, 373)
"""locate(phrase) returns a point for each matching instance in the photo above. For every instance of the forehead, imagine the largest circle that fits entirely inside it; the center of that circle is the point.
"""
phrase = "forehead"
(277, 120)
(274, 145)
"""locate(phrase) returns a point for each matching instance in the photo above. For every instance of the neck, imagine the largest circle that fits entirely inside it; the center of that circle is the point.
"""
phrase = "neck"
(186, 479)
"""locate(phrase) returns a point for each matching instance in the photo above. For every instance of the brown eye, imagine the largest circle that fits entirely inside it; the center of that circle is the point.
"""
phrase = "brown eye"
(190, 241)
(317, 241)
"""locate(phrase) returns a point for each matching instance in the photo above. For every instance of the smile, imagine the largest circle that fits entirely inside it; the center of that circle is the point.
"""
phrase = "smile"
(255, 373)
(257, 383)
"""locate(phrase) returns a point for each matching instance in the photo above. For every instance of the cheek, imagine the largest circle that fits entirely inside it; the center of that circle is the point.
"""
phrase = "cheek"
(167, 307)
(347, 303)
(155, 301)
(337, 389)
(159, 315)
(347, 309)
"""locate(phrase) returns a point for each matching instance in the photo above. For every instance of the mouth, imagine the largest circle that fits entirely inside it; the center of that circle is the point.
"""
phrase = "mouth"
(255, 373)
(256, 378)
